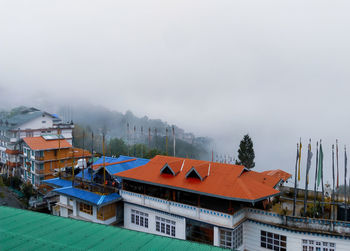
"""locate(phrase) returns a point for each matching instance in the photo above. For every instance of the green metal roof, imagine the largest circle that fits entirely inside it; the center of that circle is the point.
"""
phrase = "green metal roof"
(28, 230)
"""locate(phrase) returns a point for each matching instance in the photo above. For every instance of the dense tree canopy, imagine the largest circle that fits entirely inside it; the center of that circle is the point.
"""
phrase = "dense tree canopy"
(246, 153)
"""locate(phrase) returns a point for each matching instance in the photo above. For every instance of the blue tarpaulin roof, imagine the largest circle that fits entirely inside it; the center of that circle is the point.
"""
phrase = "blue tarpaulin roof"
(120, 167)
(93, 198)
(57, 182)
(87, 175)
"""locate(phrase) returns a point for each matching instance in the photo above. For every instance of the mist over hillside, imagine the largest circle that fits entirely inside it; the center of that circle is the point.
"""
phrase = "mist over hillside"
(153, 133)
(132, 130)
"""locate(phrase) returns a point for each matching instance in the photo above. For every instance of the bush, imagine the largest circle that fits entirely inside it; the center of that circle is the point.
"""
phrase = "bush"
(16, 182)
(27, 190)
(1, 182)
(310, 211)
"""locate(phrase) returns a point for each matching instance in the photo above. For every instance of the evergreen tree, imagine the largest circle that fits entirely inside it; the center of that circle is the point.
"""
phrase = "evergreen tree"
(246, 153)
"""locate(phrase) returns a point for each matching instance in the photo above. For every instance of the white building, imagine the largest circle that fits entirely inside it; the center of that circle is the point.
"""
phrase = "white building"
(26, 122)
(219, 204)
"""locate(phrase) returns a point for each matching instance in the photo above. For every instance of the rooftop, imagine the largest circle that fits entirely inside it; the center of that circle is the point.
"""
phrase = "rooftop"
(27, 230)
(40, 143)
(278, 173)
(227, 181)
(89, 197)
(58, 183)
(122, 163)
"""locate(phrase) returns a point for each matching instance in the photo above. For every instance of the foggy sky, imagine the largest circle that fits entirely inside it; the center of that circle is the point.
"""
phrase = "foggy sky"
(278, 70)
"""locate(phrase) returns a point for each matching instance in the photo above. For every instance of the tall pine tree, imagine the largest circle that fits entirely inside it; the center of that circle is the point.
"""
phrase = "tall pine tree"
(246, 153)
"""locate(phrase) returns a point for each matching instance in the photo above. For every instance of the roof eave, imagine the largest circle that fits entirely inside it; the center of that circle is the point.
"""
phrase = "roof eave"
(202, 193)
(89, 202)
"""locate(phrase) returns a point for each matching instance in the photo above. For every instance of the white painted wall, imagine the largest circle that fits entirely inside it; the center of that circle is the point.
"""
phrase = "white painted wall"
(200, 214)
(63, 212)
(251, 238)
(180, 226)
(88, 217)
(37, 123)
(216, 236)
(63, 200)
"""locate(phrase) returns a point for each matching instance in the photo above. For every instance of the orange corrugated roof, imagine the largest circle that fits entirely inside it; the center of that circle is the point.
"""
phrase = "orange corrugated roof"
(224, 180)
(278, 174)
(175, 165)
(39, 143)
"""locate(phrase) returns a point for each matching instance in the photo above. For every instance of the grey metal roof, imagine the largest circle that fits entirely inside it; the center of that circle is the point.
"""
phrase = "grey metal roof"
(19, 116)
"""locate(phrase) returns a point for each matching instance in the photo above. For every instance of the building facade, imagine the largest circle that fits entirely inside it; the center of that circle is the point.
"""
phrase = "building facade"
(194, 200)
(44, 157)
(26, 122)
(222, 205)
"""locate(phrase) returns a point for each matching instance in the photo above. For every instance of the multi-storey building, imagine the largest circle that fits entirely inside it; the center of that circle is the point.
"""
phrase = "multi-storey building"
(45, 156)
(192, 199)
(26, 122)
(220, 204)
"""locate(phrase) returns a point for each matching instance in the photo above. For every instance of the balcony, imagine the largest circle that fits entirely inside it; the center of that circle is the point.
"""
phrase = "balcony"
(64, 205)
(39, 171)
(193, 212)
(13, 140)
(12, 164)
(39, 158)
(12, 152)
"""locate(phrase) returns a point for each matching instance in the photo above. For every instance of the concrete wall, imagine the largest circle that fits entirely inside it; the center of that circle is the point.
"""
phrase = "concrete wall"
(253, 220)
(251, 237)
(196, 213)
(180, 225)
(38, 123)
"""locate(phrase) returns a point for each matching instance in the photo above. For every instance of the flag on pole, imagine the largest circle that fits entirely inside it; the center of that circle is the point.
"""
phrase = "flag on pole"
(295, 180)
(345, 174)
(308, 166)
(337, 164)
(308, 163)
(320, 166)
(300, 145)
(315, 193)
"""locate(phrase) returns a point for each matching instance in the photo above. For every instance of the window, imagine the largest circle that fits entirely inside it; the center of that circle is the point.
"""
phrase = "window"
(311, 245)
(231, 239)
(165, 226)
(85, 208)
(273, 241)
(43, 121)
(139, 218)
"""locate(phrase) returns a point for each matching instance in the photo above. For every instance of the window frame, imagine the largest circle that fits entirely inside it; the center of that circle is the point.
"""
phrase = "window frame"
(231, 239)
(139, 218)
(273, 241)
(165, 226)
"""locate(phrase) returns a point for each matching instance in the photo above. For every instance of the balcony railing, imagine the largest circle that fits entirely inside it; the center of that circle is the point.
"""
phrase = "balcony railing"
(39, 171)
(39, 158)
(12, 152)
(185, 210)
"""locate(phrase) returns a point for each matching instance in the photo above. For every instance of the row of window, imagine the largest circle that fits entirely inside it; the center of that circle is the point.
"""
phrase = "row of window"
(312, 245)
(163, 225)
(273, 241)
(139, 218)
